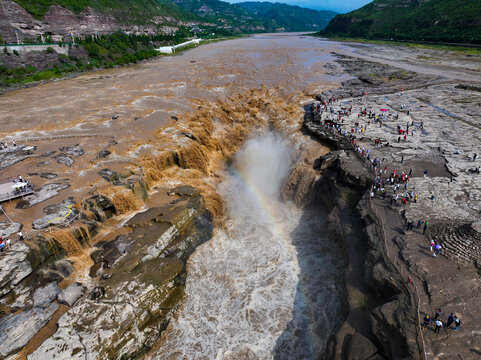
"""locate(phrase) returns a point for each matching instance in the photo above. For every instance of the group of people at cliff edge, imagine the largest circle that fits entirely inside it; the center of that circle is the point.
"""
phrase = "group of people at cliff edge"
(438, 324)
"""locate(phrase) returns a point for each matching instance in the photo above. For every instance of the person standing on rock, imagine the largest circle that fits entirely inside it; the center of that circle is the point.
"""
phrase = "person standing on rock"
(427, 321)
(450, 320)
(425, 227)
(439, 325)
(438, 314)
(425, 173)
(431, 245)
(437, 250)
(457, 323)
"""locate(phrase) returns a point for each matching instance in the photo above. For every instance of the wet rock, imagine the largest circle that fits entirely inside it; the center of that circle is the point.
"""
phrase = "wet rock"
(57, 214)
(100, 205)
(48, 153)
(7, 228)
(70, 295)
(73, 151)
(47, 175)
(15, 267)
(64, 159)
(46, 192)
(189, 135)
(11, 156)
(58, 271)
(112, 250)
(97, 269)
(103, 154)
(16, 330)
(184, 190)
(42, 297)
(115, 177)
(108, 175)
(97, 293)
(22, 204)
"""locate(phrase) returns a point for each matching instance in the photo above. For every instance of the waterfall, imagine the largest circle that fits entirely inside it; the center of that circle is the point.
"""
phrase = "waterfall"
(264, 287)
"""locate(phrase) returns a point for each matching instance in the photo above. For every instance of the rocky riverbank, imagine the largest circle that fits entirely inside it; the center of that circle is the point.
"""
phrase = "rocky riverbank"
(138, 275)
(379, 318)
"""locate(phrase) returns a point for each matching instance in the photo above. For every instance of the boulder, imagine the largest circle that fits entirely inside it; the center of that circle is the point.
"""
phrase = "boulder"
(70, 295)
(47, 175)
(58, 271)
(64, 159)
(42, 297)
(360, 348)
(73, 151)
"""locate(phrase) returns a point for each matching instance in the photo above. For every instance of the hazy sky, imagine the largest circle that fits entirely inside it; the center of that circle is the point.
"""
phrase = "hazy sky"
(336, 5)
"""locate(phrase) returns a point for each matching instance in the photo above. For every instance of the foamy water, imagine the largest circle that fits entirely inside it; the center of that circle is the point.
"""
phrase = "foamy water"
(267, 286)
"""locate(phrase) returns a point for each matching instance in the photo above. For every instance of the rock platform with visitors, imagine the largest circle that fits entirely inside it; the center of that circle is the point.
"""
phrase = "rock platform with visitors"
(419, 140)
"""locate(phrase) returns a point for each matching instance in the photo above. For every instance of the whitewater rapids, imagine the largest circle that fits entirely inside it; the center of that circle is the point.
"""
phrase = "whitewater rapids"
(266, 287)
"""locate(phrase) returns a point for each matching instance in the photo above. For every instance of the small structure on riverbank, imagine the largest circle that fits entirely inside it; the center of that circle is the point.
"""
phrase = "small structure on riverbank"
(171, 49)
(12, 190)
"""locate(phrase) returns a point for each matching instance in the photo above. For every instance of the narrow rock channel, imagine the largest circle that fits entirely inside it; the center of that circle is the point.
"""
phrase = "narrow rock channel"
(269, 284)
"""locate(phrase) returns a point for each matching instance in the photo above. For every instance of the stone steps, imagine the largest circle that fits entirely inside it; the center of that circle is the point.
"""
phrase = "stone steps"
(459, 241)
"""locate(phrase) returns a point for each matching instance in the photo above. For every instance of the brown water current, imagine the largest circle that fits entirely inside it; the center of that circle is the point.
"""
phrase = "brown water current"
(218, 91)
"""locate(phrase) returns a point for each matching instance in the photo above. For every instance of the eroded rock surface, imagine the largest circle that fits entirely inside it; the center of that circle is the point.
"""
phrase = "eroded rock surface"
(70, 295)
(17, 329)
(57, 214)
(135, 296)
(45, 192)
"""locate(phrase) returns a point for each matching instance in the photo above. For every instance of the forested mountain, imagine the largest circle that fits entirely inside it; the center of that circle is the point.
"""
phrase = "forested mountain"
(424, 20)
(292, 18)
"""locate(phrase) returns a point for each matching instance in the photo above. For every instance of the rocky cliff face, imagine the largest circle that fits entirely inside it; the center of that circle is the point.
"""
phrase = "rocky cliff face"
(380, 319)
(59, 23)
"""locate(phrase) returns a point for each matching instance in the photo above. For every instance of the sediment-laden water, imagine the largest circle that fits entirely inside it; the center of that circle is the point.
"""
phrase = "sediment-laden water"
(267, 286)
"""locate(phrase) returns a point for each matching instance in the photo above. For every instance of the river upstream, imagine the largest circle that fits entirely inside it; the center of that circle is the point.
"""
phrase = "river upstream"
(269, 283)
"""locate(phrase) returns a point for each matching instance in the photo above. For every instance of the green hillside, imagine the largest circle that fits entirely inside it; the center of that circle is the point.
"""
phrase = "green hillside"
(293, 18)
(457, 21)
(221, 13)
(139, 11)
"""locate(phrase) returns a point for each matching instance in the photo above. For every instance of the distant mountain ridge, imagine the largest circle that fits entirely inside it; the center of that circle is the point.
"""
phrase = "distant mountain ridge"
(293, 18)
(456, 21)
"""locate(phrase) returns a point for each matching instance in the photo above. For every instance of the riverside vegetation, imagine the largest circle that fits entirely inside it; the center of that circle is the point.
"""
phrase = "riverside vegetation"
(105, 51)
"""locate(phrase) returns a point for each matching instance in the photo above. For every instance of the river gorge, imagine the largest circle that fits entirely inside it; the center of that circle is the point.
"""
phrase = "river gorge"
(192, 207)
